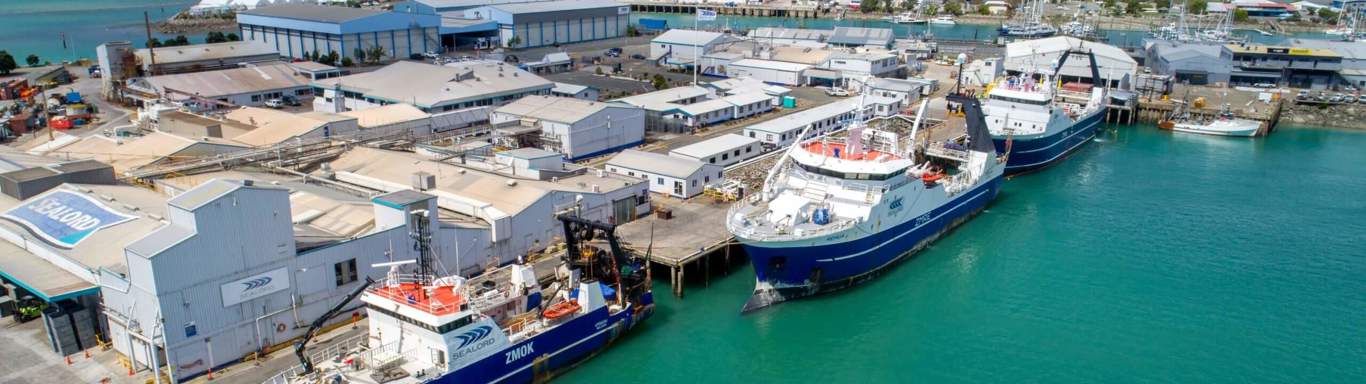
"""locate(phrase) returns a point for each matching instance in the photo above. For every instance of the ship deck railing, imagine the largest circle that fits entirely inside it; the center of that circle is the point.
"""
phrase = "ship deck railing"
(353, 343)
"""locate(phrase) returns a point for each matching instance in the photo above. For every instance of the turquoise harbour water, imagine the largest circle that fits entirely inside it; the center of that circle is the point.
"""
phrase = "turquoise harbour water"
(1147, 257)
(35, 26)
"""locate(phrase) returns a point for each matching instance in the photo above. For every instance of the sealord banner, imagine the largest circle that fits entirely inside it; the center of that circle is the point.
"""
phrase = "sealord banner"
(65, 218)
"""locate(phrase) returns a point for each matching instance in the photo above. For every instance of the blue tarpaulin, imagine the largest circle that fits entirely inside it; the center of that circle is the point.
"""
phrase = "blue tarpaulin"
(654, 24)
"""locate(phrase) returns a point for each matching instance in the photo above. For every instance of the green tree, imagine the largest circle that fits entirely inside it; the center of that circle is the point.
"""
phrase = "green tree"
(375, 54)
(32, 60)
(659, 82)
(1163, 4)
(954, 8)
(1327, 14)
(346, 62)
(868, 6)
(1197, 7)
(1240, 15)
(315, 56)
(359, 53)
(1131, 7)
(983, 10)
(932, 9)
(514, 41)
(180, 40)
(632, 31)
(153, 42)
(215, 37)
(332, 58)
(7, 63)
(232, 36)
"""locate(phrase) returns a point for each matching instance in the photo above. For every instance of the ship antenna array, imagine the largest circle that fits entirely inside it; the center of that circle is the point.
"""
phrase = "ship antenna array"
(422, 243)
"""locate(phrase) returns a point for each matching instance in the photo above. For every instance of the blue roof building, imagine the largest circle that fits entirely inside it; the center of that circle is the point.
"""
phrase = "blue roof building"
(298, 29)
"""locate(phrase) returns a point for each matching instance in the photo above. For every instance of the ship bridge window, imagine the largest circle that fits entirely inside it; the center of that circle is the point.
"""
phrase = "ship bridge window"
(851, 176)
(1018, 100)
(450, 326)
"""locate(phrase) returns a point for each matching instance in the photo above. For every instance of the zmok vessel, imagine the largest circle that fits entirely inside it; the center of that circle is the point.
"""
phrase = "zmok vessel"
(1038, 121)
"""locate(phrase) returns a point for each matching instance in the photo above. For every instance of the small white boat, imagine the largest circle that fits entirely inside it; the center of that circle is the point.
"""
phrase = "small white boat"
(1224, 125)
(943, 20)
(907, 18)
(1340, 31)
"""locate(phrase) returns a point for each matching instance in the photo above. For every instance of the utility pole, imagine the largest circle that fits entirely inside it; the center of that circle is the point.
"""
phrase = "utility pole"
(151, 51)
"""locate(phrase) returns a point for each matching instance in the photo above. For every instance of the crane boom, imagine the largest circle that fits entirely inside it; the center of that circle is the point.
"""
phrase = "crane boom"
(336, 309)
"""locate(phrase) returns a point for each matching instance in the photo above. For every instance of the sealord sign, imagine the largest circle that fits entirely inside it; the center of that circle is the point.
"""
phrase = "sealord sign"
(65, 218)
(255, 286)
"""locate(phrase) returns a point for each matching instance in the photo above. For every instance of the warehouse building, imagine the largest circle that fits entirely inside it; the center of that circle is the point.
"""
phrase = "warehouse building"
(682, 47)
(271, 127)
(576, 128)
(854, 66)
(907, 91)
(129, 153)
(660, 106)
(666, 175)
(768, 71)
(250, 86)
(724, 150)
(791, 36)
(295, 30)
(203, 57)
(431, 88)
(1116, 67)
(1191, 63)
(545, 23)
(576, 91)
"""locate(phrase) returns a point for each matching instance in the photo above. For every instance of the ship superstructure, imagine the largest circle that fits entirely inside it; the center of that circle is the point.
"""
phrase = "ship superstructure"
(1038, 120)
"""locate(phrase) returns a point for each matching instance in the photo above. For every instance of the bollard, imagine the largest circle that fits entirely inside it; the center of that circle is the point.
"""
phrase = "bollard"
(210, 373)
(68, 359)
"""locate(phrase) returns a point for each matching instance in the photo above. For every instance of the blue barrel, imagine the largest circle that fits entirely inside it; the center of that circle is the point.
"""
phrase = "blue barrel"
(821, 216)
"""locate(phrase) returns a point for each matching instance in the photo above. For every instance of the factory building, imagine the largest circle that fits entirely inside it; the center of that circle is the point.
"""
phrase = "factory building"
(854, 66)
(1191, 63)
(815, 38)
(248, 86)
(245, 296)
(199, 57)
(578, 129)
(667, 175)
(496, 210)
(1117, 68)
(295, 30)
(1312, 64)
(431, 88)
(523, 23)
(129, 153)
(683, 109)
(724, 150)
(907, 91)
(270, 127)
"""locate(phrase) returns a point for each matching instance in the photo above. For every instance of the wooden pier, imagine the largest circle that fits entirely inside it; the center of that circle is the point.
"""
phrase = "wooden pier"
(689, 239)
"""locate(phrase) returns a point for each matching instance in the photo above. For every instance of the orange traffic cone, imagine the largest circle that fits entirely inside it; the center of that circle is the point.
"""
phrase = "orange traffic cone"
(87, 354)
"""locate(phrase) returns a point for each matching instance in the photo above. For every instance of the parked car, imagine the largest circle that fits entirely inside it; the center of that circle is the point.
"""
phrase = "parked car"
(275, 103)
(1349, 89)
(613, 52)
(638, 56)
(1321, 96)
(291, 101)
(1361, 99)
(837, 92)
(1264, 85)
(1336, 98)
(1302, 95)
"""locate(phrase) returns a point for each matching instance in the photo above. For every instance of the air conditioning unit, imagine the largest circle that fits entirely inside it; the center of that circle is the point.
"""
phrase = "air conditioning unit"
(423, 181)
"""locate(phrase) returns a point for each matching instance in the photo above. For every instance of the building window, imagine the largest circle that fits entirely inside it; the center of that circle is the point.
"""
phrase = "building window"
(346, 272)
(725, 156)
(749, 148)
(255, 98)
(659, 180)
(737, 152)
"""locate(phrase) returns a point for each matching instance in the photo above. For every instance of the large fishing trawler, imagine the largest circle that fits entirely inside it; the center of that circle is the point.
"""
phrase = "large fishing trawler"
(506, 325)
(835, 211)
(1039, 121)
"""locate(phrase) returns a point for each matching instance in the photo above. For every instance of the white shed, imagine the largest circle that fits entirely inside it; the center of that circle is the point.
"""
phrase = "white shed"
(1113, 63)
(667, 175)
(577, 128)
(768, 71)
(683, 46)
(722, 150)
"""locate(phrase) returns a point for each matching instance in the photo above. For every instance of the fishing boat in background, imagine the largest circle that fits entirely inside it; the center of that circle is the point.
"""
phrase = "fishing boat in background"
(836, 210)
(1037, 121)
(1222, 124)
(1028, 23)
(943, 20)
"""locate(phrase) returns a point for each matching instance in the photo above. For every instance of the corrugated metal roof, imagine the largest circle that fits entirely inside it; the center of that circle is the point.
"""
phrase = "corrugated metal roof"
(790, 33)
(801, 119)
(566, 88)
(656, 163)
(528, 153)
(556, 6)
(862, 36)
(428, 85)
(686, 37)
(715, 145)
(771, 64)
(566, 110)
(104, 248)
(386, 115)
(227, 82)
(199, 52)
(313, 12)
(274, 126)
(703, 107)
(665, 96)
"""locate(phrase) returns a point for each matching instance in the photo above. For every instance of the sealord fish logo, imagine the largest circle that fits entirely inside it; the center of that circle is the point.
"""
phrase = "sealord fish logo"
(473, 335)
(256, 283)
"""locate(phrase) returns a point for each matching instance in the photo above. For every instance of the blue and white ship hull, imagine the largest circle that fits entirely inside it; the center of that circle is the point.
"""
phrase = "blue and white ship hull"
(544, 355)
(794, 269)
(1030, 153)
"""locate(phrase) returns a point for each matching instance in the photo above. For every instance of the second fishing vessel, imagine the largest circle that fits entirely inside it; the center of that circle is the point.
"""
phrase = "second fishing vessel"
(1037, 121)
(834, 211)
